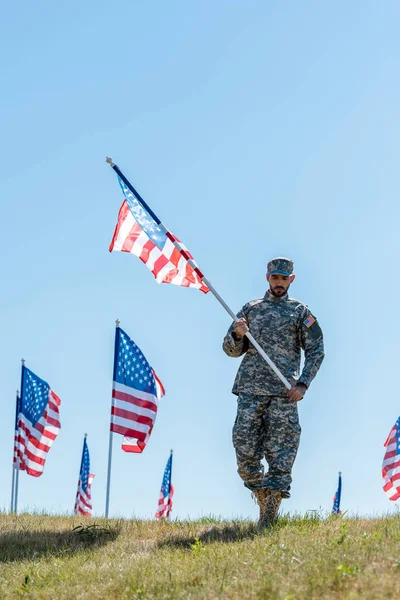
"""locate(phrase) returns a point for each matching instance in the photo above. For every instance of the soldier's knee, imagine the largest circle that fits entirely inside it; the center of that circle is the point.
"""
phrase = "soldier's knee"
(250, 476)
(239, 440)
(235, 438)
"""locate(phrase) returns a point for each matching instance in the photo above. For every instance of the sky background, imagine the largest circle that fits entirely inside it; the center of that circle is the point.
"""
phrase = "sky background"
(253, 129)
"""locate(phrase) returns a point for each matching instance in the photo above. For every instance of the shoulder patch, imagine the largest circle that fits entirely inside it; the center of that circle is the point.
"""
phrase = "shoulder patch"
(309, 321)
(313, 329)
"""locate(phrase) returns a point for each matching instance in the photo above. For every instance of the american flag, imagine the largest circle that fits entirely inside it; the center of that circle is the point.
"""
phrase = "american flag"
(138, 233)
(166, 493)
(337, 497)
(391, 463)
(83, 501)
(38, 422)
(136, 391)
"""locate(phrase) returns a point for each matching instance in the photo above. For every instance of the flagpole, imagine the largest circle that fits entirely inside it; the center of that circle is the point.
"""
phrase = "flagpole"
(170, 481)
(18, 442)
(16, 431)
(12, 483)
(199, 273)
(110, 442)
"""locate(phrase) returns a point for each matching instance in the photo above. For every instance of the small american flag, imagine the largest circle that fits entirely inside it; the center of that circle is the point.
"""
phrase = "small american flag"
(391, 463)
(166, 493)
(137, 232)
(337, 497)
(309, 321)
(83, 501)
(136, 391)
(38, 423)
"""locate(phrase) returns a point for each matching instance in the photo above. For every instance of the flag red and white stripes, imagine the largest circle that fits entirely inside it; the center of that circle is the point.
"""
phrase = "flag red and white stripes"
(165, 504)
(167, 263)
(135, 394)
(83, 502)
(164, 508)
(35, 440)
(133, 415)
(391, 463)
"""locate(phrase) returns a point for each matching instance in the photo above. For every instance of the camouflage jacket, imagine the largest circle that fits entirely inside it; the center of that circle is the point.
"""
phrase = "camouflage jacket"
(282, 326)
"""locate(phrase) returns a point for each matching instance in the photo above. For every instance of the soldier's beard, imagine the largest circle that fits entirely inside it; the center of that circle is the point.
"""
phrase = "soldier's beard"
(278, 290)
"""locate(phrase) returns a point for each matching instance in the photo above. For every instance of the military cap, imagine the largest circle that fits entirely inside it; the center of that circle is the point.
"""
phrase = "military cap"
(280, 266)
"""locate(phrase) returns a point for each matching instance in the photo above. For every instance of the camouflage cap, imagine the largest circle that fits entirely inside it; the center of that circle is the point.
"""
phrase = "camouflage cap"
(280, 266)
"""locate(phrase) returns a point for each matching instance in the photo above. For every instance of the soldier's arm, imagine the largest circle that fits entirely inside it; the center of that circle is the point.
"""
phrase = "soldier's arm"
(232, 345)
(312, 342)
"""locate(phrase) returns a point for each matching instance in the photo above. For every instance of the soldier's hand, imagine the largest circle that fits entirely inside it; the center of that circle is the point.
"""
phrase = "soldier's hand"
(297, 392)
(240, 328)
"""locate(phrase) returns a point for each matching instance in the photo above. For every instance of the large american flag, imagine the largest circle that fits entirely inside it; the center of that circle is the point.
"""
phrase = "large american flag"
(137, 232)
(166, 493)
(135, 395)
(38, 423)
(83, 501)
(391, 463)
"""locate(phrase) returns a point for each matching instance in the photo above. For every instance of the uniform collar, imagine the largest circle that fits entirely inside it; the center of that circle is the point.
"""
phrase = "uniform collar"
(271, 298)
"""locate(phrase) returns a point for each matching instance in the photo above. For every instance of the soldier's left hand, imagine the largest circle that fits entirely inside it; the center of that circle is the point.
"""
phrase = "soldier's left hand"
(297, 392)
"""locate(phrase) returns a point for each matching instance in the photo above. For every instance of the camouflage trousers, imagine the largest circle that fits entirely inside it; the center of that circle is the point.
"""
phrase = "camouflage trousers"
(266, 426)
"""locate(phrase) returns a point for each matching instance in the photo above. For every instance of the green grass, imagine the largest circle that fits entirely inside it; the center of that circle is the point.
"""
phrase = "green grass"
(301, 558)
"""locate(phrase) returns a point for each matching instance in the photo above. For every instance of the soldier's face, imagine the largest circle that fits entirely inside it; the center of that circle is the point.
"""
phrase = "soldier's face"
(279, 284)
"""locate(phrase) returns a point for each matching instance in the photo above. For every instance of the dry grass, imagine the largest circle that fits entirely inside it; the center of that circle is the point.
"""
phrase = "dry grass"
(301, 558)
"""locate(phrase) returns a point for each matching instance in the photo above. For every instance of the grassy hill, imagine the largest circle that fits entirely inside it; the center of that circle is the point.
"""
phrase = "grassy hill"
(301, 558)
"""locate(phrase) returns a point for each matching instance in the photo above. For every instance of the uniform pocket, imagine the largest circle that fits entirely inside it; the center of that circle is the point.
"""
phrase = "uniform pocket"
(294, 422)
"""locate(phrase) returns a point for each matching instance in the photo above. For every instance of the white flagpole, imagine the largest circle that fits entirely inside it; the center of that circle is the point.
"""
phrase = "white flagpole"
(197, 270)
(170, 482)
(12, 487)
(109, 473)
(18, 445)
(16, 430)
(110, 442)
(16, 486)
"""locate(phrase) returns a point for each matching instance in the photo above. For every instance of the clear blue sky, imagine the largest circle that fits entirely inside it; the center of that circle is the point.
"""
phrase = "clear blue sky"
(254, 129)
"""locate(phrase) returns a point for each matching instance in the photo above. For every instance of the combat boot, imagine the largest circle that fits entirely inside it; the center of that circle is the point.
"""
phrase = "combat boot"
(273, 499)
(261, 499)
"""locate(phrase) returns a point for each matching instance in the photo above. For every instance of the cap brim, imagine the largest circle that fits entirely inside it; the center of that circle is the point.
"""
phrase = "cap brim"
(285, 273)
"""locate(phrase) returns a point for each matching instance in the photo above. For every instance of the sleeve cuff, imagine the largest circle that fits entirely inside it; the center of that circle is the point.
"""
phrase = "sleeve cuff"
(303, 382)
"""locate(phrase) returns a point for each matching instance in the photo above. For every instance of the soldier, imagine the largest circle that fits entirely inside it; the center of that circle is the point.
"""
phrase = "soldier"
(267, 421)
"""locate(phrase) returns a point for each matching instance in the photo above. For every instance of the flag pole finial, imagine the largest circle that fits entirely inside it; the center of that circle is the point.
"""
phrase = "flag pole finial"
(85, 436)
(17, 392)
(109, 160)
(172, 451)
(23, 361)
(117, 322)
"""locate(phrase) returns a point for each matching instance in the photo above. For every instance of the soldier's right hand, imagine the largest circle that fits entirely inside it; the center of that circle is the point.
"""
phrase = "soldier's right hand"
(240, 327)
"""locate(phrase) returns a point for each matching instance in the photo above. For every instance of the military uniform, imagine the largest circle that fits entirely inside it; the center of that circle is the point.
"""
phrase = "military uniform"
(267, 422)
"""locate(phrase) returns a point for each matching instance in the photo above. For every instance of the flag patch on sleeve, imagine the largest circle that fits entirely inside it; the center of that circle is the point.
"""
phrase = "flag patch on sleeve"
(309, 321)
